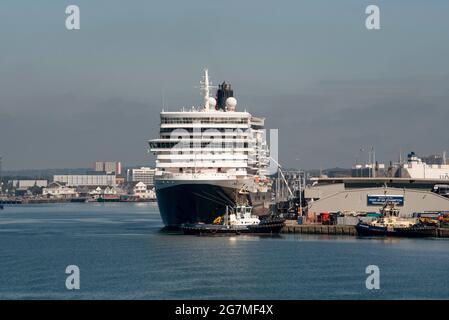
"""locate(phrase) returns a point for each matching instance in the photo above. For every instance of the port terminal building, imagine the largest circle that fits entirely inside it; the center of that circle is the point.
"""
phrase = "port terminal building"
(365, 195)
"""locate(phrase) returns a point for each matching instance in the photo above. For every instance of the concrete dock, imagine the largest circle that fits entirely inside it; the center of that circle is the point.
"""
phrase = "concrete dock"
(292, 227)
(320, 229)
(442, 233)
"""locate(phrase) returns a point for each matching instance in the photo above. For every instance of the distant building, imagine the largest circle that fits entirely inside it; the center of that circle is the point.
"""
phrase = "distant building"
(364, 195)
(73, 180)
(26, 184)
(119, 180)
(143, 174)
(105, 191)
(361, 200)
(337, 172)
(59, 190)
(21, 188)
(368, 170)
(141, 190)
(108, 167)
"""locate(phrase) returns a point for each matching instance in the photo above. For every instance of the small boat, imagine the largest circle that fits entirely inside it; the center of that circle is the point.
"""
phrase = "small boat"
(390, 224)
(78, 200)
(417, 231)
(237, 220)
(109, 198)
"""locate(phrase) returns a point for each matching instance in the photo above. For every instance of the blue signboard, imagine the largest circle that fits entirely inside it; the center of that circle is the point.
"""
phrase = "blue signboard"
(376, 200)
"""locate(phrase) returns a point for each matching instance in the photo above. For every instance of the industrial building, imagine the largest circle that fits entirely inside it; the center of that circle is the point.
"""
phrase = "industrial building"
(108, 167)
(362, 195)
(25, 184)
(78, 180)
(369, 170)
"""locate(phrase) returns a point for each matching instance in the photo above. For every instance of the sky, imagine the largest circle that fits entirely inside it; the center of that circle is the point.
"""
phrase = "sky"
(311, 68)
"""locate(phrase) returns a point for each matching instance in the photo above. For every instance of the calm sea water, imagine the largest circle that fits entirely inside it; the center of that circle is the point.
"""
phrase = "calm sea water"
(122, 254)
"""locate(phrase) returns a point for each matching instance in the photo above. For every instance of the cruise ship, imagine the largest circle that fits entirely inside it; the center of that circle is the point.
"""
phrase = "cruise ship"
(416, 168)
(210, 157)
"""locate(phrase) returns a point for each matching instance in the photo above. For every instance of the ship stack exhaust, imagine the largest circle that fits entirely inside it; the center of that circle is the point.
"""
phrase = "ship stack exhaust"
(224, 92)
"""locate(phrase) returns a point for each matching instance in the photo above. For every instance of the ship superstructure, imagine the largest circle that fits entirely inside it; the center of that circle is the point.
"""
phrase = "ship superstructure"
(210, 157)
(416, 168)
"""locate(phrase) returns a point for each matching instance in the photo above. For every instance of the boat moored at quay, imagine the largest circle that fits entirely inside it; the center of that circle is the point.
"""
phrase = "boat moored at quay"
(208, 158)
(391, 224)
(235, 221)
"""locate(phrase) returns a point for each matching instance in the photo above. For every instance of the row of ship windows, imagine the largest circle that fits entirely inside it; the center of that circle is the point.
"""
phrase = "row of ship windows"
(163, 136)
(206, 130)
(189, 170)
(213, 160)
(197, 145)
(205, 120)
(243, 154)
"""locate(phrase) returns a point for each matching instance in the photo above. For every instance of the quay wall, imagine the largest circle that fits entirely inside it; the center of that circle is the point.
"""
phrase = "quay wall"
(292, 227)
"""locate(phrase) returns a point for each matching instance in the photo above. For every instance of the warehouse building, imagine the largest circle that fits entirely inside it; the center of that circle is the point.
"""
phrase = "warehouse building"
(362, 197)
(79, 180)
(26, 184)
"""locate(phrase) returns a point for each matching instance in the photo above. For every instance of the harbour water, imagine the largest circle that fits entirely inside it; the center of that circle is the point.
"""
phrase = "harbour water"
(122, 254)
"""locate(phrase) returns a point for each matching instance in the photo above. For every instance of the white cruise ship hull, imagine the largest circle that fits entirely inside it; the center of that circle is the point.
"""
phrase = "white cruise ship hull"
(193, 201)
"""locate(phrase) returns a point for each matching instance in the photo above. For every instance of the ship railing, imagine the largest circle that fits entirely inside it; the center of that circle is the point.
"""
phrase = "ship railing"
(199, 174)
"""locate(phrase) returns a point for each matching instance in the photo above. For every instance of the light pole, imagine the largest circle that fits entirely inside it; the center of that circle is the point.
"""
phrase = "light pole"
(299, 188)
(1, 177)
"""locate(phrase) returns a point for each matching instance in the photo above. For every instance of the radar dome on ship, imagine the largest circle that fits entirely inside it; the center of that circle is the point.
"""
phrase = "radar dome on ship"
(212, 102)
(231, 103)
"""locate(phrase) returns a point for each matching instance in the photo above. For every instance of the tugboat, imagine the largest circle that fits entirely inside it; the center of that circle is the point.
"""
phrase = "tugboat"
(236, 220)
(392, 225)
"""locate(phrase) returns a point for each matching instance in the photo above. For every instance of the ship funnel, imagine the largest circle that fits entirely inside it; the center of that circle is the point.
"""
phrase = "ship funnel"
(223, 93)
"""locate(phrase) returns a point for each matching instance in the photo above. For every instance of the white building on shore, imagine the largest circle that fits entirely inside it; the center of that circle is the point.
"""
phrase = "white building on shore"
(141, 190)
(59, 190)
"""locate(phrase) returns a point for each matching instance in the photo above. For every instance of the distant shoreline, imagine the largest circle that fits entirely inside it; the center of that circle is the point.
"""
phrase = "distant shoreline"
(24, 201)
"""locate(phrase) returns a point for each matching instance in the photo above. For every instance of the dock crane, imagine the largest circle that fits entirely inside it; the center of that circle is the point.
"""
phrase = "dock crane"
(283, 178)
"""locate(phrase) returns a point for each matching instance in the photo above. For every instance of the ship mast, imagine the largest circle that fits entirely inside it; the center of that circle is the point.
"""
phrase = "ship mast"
(205, 86)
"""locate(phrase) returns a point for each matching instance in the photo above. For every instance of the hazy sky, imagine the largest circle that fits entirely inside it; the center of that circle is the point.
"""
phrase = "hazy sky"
(68, 98)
